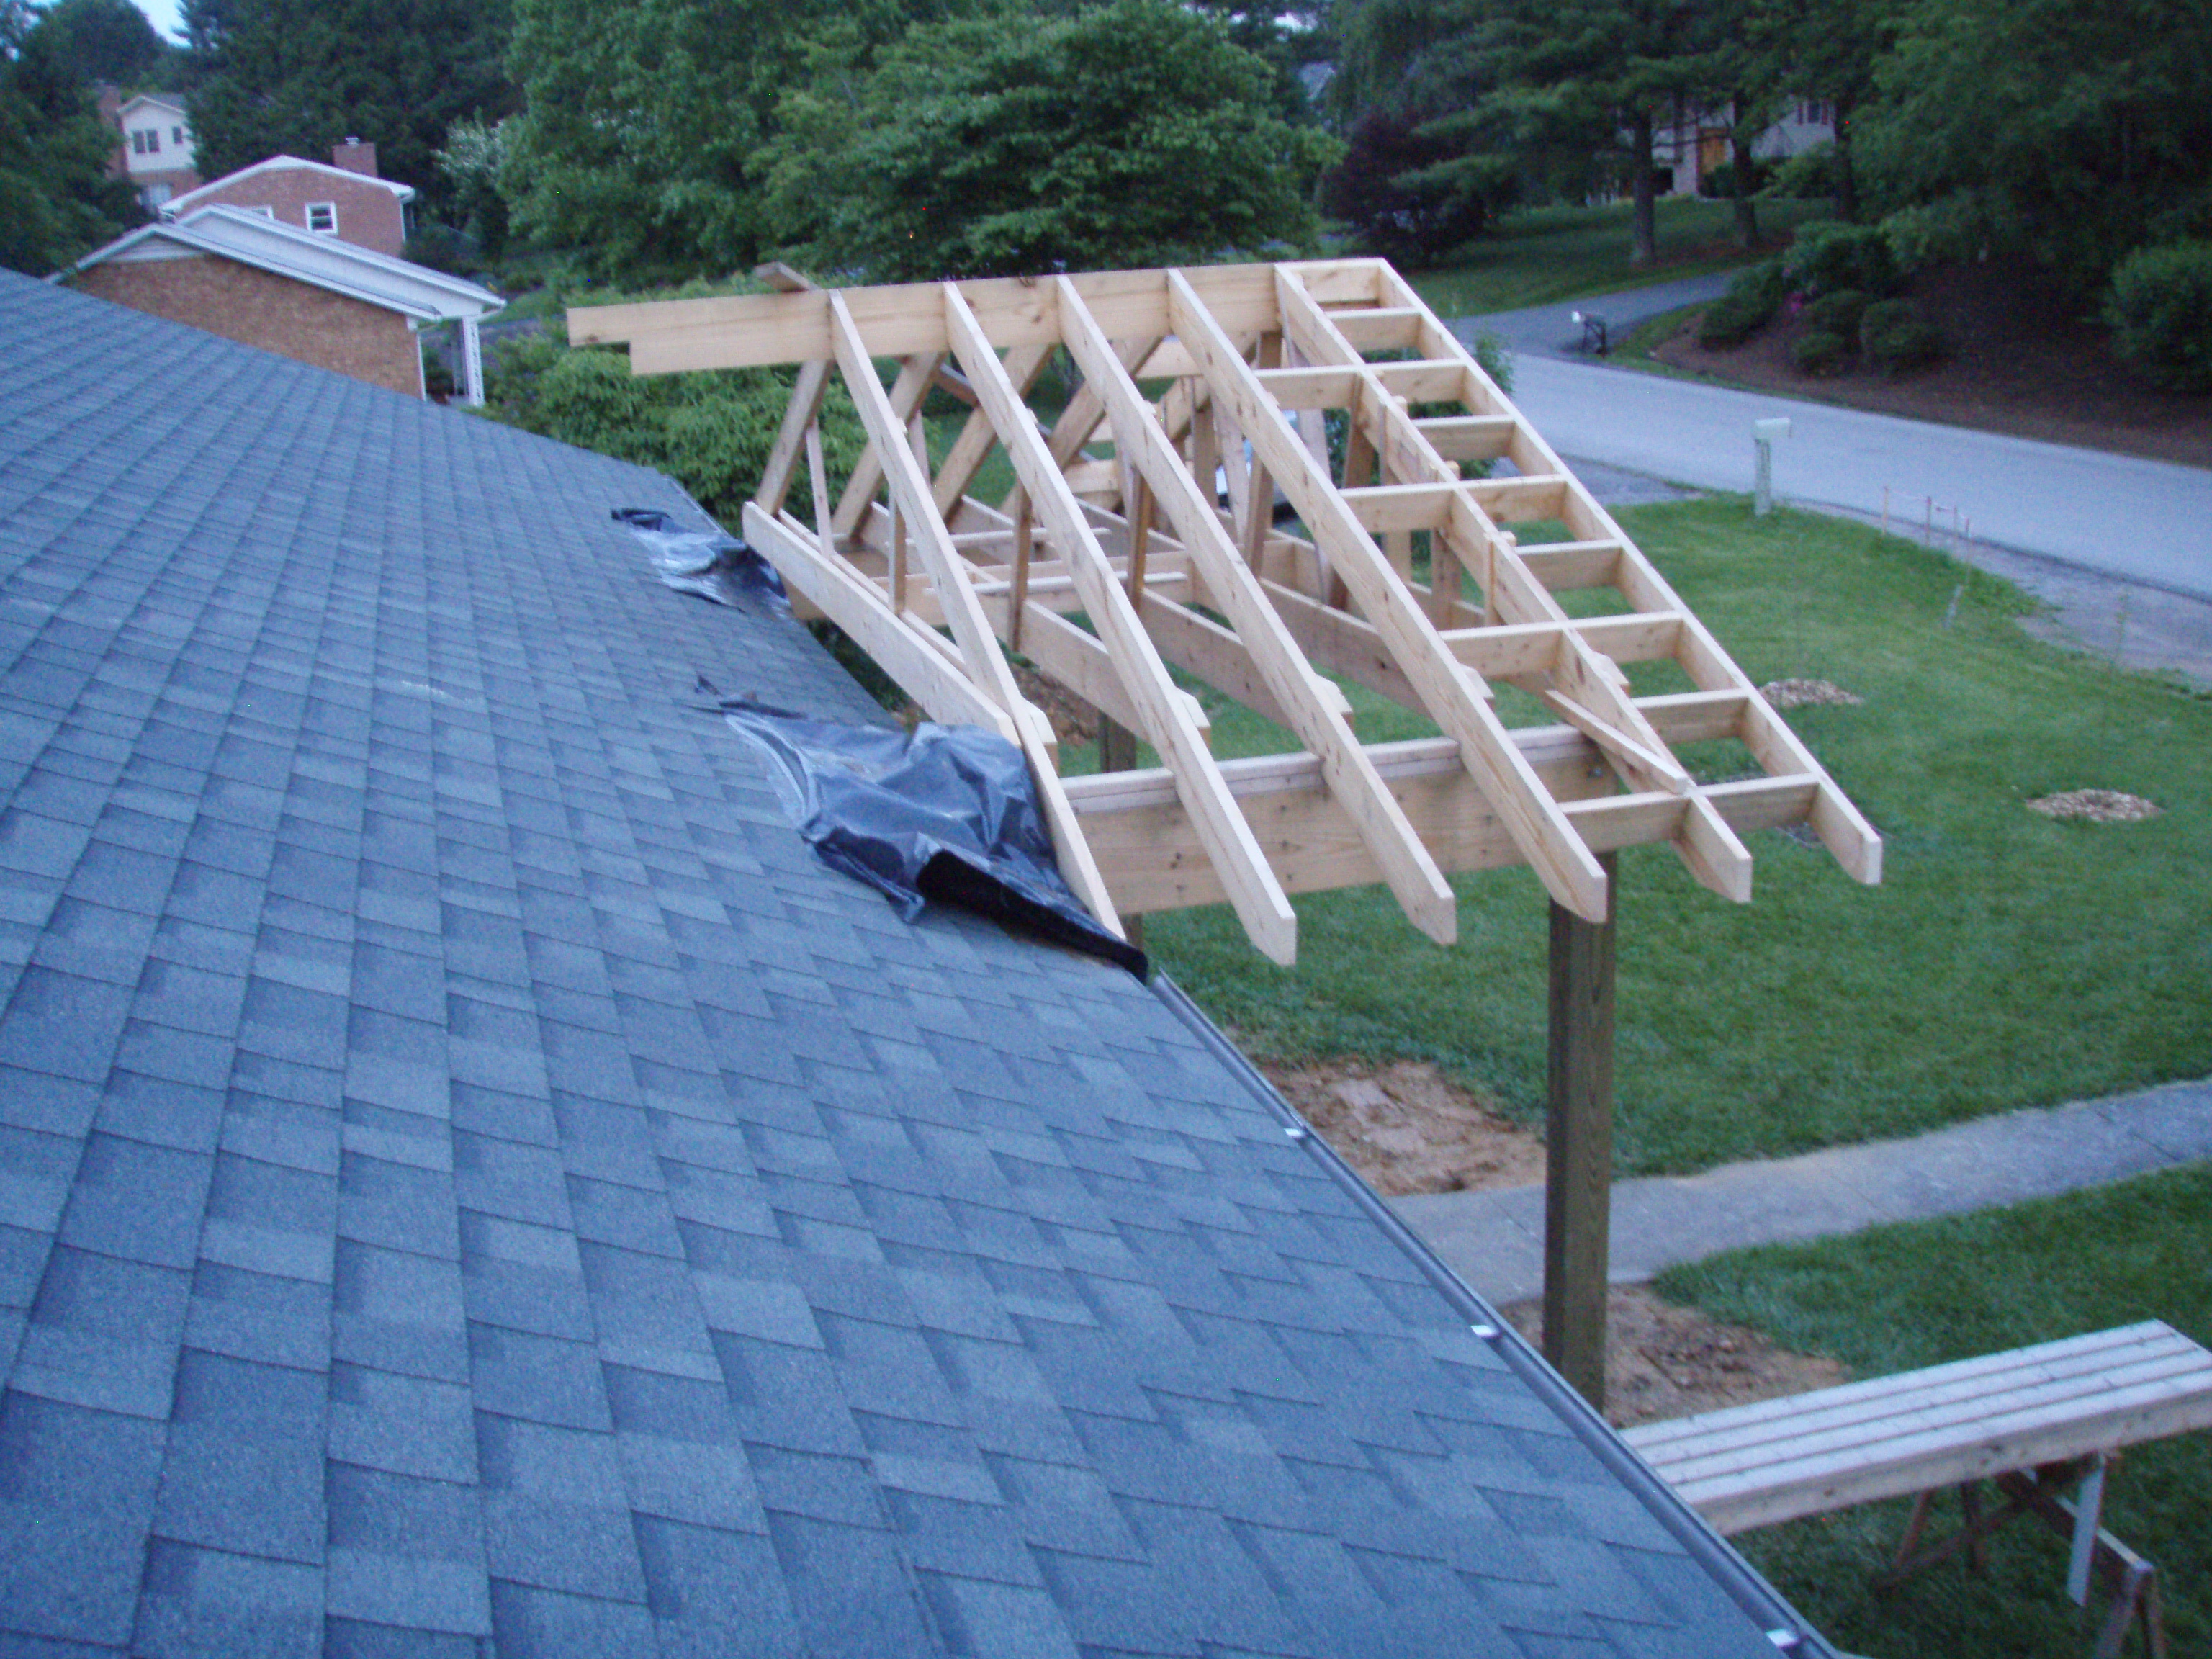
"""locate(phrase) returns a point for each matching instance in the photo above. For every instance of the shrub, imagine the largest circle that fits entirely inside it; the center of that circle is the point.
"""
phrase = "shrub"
(443, 248)
(1820, 352)
(1836, 313)
(1827, 256)
(1730, 321)
(1751, 299)
(2160, 311)
(1894, 336)
(1721, 181)
(1806, 175)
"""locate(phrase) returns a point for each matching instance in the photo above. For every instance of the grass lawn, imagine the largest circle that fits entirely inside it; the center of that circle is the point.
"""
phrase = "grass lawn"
(1544, 255)
(2006, 961)
(1918, 1295)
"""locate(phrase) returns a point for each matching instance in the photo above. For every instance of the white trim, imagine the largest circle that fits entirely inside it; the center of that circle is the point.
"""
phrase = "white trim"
(190, 199)
(330, 208)
(415, 291)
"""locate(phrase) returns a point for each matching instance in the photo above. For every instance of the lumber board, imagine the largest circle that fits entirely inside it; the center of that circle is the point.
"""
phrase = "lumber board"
(1153, 860)
(1412, 875)
(907, 393)
(1259, 900)
(1778, 1460)
(971, 629)
(976, 440)
(1849, 838)
(754, 330)
(856, 606)
(1591, 690)
(1566, 867)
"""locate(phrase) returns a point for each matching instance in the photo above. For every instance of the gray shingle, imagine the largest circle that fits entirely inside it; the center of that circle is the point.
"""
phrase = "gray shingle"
(471, 1182)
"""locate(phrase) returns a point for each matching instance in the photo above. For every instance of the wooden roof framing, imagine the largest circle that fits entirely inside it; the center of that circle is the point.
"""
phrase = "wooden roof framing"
(1117, 517)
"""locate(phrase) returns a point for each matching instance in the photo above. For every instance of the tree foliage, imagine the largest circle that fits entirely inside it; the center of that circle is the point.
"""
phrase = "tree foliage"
(105, 40)
(645, 121)
(2076, 133)
(1134, 133)
(710, 431)
(296, 76)
(57, 201)
(1406, 193)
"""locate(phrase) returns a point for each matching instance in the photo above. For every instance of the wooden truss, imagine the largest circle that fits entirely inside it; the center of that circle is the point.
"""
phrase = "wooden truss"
(1147, 508)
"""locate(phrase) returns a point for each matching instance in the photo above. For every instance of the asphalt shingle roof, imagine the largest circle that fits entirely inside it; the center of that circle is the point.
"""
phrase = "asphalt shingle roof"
(471, 1182)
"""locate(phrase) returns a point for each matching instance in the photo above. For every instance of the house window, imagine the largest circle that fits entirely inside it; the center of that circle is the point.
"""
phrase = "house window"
(323, 218)
(138, 143)
(154, 141)
(177, 136)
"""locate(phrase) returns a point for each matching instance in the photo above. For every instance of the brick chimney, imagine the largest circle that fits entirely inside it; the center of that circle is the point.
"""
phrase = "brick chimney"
(355, 156)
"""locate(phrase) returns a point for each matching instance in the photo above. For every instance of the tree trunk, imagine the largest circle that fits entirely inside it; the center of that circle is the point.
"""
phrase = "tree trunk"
(1747, 211)
(1847, 178)
(1646, 249)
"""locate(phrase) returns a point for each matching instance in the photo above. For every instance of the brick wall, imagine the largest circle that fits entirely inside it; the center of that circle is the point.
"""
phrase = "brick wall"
(369, 214)
(259, 308)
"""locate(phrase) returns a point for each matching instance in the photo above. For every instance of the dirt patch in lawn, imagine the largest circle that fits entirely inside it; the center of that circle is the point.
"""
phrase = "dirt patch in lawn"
(1664, 1361)
(1407, 1127)
(1073, 720)
(2024, 359)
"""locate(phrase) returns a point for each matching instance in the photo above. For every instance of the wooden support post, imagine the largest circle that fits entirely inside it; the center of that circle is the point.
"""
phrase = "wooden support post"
(1578, 1149)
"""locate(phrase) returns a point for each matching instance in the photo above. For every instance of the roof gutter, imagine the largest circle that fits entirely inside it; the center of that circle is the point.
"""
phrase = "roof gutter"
(1785, 1628)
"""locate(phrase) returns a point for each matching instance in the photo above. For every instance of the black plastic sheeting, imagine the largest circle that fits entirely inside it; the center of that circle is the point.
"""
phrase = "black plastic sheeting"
(946, 814)
(704, 562)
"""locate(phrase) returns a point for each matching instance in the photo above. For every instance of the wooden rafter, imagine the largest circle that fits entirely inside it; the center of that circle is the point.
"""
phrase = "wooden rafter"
(1140, 540)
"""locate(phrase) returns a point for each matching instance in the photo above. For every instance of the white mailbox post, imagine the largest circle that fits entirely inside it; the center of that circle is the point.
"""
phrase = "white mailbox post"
(1763, 435)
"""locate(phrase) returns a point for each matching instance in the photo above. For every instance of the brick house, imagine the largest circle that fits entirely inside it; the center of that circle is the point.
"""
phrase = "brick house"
(303, 294)
(343, 199)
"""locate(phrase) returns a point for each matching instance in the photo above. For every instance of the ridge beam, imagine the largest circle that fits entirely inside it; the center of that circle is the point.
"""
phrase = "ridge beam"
(1404, 862)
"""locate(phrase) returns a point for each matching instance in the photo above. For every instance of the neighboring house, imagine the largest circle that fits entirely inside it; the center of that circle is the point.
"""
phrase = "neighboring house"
(323, 301)
(473, 1183)
(346, 200)
(1691, 148)
(155, 152)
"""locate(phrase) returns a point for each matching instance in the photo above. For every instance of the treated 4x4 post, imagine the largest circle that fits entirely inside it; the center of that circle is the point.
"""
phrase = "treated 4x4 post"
(1578, 1142)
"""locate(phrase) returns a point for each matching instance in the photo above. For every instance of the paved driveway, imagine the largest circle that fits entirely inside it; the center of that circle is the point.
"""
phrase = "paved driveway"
(2147, 522)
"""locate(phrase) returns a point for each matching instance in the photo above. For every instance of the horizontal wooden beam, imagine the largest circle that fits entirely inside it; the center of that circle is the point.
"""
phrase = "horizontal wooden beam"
(753, 330)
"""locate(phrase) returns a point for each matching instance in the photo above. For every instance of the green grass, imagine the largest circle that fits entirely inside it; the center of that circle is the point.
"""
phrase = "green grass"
(1544, 255)
(1903, 1296)
(2005, 961)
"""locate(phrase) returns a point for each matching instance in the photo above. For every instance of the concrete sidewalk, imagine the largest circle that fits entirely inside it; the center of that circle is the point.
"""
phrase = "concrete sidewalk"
(1495, 1240)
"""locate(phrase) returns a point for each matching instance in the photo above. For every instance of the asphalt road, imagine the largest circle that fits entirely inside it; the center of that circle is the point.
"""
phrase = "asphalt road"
(2143, 522)
(1552, 331)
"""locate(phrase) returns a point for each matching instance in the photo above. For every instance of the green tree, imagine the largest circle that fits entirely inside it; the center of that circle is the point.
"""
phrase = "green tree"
(1829, 50)
(1570, 95)
(474, 156)
(293, 77)
(57, 201)
(645, 122)
(1130, 134)
(2075, 134)
(105, 40)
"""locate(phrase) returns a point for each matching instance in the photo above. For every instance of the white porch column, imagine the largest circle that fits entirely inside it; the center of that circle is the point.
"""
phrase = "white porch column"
(471, 365)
